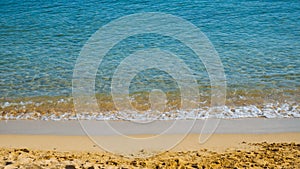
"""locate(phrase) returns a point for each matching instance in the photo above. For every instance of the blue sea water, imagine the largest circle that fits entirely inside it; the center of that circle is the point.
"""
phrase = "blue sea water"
(258, 43)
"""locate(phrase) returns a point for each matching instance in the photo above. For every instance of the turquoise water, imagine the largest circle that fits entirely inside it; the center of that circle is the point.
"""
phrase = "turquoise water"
(257, 41)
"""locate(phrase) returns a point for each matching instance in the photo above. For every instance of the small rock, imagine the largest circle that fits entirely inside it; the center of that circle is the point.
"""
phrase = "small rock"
(134, 163)
(70, 167)
(24, 150)
(195, 166)
(8, 163)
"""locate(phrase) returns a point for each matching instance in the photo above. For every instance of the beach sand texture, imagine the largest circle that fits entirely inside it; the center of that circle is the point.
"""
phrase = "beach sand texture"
(258, 155)
(230, 147)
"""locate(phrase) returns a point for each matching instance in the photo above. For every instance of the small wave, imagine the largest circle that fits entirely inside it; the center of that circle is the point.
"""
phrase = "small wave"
(270, 110)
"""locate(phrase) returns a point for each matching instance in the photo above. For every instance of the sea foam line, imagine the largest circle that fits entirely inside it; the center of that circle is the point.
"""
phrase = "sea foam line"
(270, 110)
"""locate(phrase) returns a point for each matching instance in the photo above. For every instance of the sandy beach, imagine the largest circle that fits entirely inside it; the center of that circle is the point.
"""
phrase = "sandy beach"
(243, 143)
(280, 150)
(149, 84)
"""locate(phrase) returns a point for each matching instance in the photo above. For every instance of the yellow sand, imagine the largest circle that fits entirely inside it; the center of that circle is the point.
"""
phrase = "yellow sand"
(221, 150)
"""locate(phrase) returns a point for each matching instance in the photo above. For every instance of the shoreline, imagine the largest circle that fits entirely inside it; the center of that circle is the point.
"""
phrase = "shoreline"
(239, 104)
(103, 128)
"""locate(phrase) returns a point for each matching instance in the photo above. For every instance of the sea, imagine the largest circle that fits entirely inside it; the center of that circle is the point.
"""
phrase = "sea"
(257, 42)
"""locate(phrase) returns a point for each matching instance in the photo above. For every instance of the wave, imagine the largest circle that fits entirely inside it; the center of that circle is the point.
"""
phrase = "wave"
(269, 110)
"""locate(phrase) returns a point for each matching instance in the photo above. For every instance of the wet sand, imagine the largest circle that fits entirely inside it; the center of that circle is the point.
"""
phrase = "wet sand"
(244, 143)
(101, 128)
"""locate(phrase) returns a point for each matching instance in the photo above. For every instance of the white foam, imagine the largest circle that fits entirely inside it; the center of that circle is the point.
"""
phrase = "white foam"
(270, 110)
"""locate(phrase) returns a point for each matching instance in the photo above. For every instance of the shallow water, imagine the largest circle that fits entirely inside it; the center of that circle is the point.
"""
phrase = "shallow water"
(258, 43)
